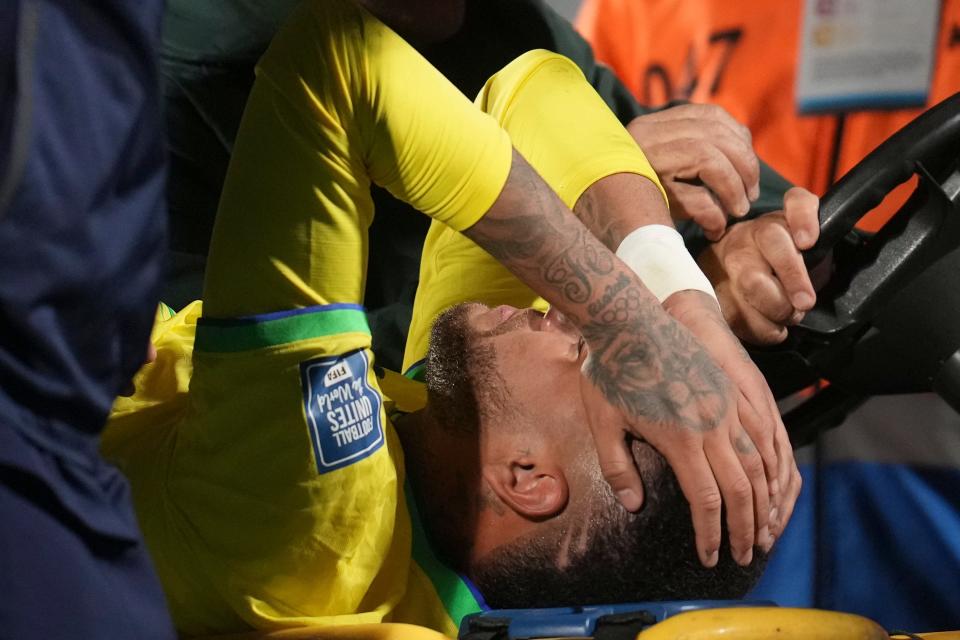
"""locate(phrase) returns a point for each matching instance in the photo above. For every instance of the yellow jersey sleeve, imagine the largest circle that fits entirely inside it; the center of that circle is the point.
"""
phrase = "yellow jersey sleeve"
(566, 132)
(339, 101)
(268, 479)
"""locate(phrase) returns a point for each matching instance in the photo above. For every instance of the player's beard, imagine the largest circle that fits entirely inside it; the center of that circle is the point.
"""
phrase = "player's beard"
(452, 398)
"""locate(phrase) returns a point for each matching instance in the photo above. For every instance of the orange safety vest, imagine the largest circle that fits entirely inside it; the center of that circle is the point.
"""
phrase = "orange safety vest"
(743, 56)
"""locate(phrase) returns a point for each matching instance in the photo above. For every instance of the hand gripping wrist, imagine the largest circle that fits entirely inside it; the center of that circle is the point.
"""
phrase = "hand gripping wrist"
(657, 255)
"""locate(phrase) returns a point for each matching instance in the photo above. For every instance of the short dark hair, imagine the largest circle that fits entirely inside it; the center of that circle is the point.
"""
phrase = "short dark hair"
(627, 557)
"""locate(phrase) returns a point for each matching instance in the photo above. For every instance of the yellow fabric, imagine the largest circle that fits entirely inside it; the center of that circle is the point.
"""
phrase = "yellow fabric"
(564, 130)
(246, 526)
(243, 529)
(161, 397)
(340, 100)
(406, 395)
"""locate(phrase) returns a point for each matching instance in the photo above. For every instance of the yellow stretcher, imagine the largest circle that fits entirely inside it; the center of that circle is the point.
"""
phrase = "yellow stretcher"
(740, 623)
(839, 325)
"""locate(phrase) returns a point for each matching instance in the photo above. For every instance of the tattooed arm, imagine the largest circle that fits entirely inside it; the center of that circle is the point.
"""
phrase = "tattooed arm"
(613, 207)
(645, 372)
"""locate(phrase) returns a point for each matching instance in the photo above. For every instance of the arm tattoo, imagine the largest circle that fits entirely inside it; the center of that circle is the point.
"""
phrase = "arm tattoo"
(654, 369)
(573, 275)
(612, 290)
(642, 360)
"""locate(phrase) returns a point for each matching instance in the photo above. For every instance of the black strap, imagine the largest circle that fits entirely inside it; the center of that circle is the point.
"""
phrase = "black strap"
(623, 626)
(487, 628)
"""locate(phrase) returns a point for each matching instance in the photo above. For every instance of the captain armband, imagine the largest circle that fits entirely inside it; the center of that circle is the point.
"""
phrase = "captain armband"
(657, 255)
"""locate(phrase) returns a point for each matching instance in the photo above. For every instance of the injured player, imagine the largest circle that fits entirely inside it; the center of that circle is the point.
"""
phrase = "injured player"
(266, 470)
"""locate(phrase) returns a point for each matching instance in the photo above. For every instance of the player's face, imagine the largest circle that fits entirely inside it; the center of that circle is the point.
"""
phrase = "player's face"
(537, 359)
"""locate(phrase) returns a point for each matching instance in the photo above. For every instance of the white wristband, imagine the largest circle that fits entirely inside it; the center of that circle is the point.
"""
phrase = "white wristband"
(657, 255)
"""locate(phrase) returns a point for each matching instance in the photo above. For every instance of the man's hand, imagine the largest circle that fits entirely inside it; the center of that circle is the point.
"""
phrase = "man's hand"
(645, 374)
(758, 271)
(705, 161)
(670, 392)
(763, 428)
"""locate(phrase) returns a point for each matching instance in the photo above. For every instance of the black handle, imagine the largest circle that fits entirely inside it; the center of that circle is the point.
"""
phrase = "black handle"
(887, 166)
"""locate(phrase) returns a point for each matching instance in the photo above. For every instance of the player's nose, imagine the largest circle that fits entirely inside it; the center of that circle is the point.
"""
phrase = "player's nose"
(554, 320)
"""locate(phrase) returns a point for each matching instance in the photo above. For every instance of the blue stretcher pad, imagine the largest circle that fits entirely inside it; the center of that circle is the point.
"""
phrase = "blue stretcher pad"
(582, 622)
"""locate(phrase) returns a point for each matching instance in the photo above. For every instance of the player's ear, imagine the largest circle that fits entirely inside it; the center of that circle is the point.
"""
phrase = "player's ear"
(533, 487)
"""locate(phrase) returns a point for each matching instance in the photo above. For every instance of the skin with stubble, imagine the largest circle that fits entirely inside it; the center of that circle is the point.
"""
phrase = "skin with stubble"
(650, 374)
(646, 374)
(642, 360)
(507, 478)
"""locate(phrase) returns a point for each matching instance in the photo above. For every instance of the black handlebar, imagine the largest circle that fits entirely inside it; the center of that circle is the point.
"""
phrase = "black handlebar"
(887, 318)
(892, 163)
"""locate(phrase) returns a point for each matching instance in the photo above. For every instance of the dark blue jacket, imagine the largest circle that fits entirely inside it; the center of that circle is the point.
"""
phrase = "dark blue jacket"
(82, 219)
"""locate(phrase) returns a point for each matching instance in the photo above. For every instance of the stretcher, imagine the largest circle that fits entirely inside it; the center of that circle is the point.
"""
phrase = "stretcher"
(887, 320)
(690, 620)
(716, 620)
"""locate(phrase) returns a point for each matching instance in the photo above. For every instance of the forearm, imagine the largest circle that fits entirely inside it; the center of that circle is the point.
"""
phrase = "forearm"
(531, 232)
(637, 350)
(616, 205)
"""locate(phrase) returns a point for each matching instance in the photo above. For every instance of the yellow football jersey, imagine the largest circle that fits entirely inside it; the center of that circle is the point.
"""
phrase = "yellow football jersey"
(340, 102)
(565, 131)
(267, 477)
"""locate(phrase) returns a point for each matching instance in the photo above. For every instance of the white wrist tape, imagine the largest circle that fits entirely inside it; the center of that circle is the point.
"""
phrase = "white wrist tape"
(657, 255)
